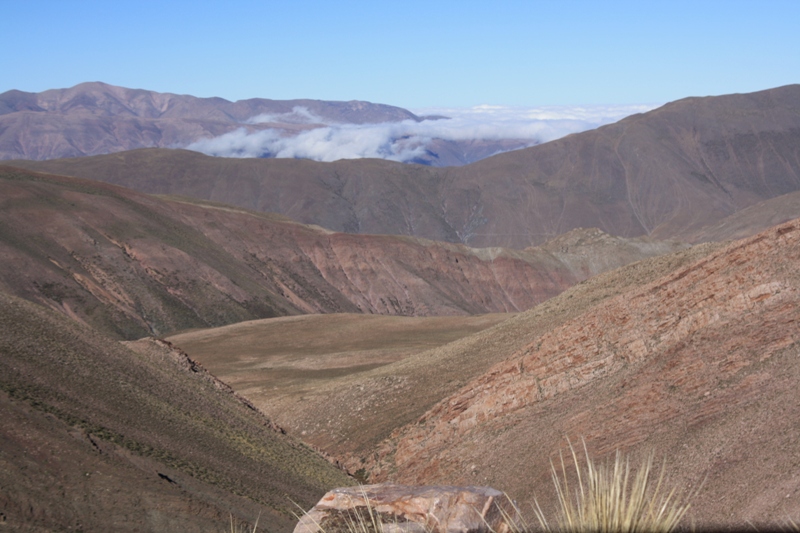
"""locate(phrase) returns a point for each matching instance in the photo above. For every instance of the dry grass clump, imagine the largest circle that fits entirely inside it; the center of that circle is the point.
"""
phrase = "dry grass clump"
(239, 527)
(610, 498)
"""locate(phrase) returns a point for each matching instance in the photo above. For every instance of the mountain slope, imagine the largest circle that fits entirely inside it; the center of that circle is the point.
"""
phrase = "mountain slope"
(99, 436)
(348, 412)
(699, 365)
(134, 265)
(666, 173)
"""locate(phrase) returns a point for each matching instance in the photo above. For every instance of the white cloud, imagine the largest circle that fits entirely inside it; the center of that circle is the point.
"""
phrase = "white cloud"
(406, 140)
(298, 115)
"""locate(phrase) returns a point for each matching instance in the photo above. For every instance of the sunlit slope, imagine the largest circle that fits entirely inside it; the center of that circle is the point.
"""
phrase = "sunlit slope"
(698, 364)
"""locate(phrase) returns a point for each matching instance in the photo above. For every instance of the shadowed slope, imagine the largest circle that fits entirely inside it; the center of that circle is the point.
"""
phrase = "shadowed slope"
(700, 365)
(665, 173)
(98, 436)
(135, 265)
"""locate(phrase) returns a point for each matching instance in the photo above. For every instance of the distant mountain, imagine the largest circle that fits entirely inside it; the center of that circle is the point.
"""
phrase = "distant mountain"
(132, 265)
(666, 173)
(97, 118)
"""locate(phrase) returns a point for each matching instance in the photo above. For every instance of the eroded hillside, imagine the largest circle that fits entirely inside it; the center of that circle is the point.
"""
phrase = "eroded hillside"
(699, 365)
(135, 265)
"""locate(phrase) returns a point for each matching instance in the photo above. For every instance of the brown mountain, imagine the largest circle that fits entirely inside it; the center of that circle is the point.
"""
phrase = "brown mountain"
(101, 436)
(132, 265)
(666, 173)
(699, 365)
(97, 118)
(365, 377)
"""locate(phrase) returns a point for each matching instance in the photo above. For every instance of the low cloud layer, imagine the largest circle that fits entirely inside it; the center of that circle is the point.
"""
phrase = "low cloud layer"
(408, 140)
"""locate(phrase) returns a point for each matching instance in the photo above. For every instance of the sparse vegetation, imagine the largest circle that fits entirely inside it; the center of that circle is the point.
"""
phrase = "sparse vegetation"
(610, 497)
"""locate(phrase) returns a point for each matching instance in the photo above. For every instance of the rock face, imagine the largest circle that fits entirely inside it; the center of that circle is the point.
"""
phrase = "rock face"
(699, 365)
(666, 173)
(401, 509)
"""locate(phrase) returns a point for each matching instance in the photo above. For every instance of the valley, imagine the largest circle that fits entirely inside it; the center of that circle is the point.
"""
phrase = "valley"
(197, 339)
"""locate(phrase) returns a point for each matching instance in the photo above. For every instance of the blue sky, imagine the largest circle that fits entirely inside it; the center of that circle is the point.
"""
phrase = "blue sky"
(412, 54)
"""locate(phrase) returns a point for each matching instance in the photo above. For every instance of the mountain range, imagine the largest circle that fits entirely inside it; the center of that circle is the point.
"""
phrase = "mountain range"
(665, 174)
(365, 320)
(133, 265)
(98, 118)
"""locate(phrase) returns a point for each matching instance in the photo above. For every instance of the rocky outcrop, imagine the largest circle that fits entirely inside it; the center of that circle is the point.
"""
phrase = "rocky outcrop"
(406, 509)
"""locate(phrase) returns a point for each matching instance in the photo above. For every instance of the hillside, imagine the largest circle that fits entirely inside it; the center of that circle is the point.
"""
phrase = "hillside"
(691, 355)
(133, 265)
(394, 385)
(666, 173)
(699, 365)
(99, 436)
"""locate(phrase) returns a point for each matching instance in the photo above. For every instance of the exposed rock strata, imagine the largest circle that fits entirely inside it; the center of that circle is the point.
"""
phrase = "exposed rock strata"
(698, 364)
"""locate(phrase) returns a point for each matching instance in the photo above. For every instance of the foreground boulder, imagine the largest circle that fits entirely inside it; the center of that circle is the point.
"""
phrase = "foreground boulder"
(409, 509)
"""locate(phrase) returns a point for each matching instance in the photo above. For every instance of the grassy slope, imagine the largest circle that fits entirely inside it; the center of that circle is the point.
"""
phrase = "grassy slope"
(168, 441)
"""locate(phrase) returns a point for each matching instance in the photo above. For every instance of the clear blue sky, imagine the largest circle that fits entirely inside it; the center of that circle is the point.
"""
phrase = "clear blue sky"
(407, 53)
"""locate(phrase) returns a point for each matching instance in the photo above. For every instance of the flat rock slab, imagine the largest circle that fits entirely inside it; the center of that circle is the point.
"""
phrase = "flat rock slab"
(409, 509)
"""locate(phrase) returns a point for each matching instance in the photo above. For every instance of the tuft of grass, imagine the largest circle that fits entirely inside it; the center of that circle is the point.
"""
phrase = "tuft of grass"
(238, 527)
(610, 498)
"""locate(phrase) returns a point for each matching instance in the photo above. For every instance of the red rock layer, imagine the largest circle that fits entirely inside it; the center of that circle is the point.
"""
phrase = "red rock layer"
(688, 365)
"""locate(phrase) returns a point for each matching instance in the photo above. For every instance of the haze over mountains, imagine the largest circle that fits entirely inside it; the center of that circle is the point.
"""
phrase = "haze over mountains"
(97, 118)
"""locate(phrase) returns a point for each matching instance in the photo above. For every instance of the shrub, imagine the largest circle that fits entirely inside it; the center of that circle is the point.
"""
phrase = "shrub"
(609, 499)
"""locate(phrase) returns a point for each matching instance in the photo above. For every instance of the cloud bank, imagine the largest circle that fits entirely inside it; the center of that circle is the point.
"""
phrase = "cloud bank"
(407, 140)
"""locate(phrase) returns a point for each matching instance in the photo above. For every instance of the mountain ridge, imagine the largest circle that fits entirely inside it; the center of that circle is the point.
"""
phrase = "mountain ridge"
(133, 265)
(665, 173)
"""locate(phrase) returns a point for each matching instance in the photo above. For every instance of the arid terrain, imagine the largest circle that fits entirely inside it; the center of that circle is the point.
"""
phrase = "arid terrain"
(690, 355)
(102, 436)
(134, 265)
(186, 340)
